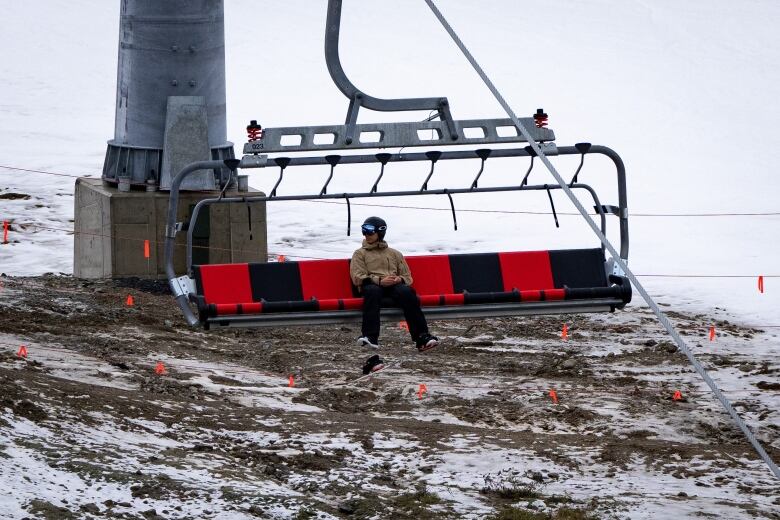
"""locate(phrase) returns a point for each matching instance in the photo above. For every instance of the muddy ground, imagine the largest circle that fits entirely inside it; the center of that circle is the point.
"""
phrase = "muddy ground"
(89, 430)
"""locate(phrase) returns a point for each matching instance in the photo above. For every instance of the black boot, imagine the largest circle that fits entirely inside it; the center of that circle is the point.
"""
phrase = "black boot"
(426, 342)
(373, 364)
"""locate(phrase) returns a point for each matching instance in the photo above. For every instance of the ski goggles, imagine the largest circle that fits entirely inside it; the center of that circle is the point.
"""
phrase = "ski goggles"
(370, 229)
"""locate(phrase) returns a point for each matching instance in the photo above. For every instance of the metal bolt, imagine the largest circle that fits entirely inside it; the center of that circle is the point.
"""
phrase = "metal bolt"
(192, 83)
(175, 48)
(174, 82)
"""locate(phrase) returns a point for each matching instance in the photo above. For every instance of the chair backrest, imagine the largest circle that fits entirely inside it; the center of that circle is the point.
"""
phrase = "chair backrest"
(433, 275)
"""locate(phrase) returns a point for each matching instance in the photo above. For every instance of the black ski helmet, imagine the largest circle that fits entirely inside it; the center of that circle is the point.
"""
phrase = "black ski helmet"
(379, 224)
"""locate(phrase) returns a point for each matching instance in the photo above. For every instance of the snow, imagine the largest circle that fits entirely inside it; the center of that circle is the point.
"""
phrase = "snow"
(669, 87)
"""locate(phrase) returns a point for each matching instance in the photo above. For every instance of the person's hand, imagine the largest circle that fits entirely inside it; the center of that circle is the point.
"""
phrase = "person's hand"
(387, 281)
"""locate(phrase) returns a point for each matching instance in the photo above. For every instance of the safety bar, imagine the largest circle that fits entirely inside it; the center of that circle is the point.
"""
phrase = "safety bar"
(549, 149)
(181, 292)
(261, 198)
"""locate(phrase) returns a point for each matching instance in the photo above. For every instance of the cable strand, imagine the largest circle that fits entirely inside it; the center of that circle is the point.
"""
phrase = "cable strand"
(650, 302)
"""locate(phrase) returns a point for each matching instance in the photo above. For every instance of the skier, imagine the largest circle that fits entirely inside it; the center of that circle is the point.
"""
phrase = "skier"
(381, 271)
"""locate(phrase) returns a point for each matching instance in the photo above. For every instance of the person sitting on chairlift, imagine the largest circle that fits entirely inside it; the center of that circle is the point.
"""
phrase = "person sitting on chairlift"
(380, 271)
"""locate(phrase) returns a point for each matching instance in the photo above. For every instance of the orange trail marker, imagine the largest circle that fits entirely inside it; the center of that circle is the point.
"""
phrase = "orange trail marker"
(761, 284)
(565, 332)
(146, 249)
(130, 301)
(554, 396)
(677, 396)
(403, 325)
(712, 333)
(5, 232)
(422, 390)
(160, 369)
(291, 383)
(281, 258)
(22, 352)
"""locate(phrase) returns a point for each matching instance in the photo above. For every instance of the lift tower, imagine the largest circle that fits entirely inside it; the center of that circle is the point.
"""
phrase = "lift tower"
(170, 111)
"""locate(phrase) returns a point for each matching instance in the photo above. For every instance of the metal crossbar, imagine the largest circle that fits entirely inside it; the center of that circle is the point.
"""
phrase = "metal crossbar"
(389, 135)
(597, 206)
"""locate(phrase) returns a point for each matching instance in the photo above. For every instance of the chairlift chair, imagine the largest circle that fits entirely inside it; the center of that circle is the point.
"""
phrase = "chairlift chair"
(448, 286)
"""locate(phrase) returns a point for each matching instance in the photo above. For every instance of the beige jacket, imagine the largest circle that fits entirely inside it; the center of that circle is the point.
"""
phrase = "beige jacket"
(376, 261)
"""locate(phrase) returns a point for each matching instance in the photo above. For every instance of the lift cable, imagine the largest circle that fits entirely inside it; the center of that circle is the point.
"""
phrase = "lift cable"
(464, 210)
(616, 257)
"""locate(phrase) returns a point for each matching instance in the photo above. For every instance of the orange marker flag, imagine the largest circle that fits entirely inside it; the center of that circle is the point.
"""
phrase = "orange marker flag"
(291, 382)
(422, 390)
(130, 301)
(554, 396)
(281, 258)
(677, 396)
(146, 249)
(565, 332)
(22, 352)
(5, 232)
(403, 325)
(761, 284)
(160, 369)
(712, 333)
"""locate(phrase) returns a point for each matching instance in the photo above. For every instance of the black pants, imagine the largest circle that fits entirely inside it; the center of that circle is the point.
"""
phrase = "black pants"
(404, 296)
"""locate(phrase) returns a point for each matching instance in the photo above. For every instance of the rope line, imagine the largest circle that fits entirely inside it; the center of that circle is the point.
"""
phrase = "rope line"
(546, 213)
(214, 248)
(44, 172)
(466, 210)
(616, 257)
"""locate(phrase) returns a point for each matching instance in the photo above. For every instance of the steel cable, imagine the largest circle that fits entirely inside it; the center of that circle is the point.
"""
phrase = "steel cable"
(656, 310)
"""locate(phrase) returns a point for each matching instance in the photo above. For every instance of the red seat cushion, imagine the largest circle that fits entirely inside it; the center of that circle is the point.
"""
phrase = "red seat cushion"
(226, 283)
(431, 274)
(325, 279)
(528, 270)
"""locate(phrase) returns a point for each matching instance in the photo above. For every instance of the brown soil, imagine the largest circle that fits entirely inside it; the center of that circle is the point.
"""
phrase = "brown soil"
(488, 384)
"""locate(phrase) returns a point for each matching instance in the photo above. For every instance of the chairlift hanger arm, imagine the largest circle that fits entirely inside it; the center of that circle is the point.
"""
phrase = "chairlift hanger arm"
(447, 131)
(357, 98)
(333, 61)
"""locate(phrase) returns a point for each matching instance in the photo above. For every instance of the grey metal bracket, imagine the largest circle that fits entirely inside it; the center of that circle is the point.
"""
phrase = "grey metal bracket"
(253, 161)
(612, 210)
(392, 135)
(612, 268)
(183, 285)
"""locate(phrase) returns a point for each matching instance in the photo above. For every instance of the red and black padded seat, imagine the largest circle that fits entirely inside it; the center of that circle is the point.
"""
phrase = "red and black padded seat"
(439, 280)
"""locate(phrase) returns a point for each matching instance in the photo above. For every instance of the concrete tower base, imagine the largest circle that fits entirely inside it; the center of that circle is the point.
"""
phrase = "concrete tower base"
(112, 227)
